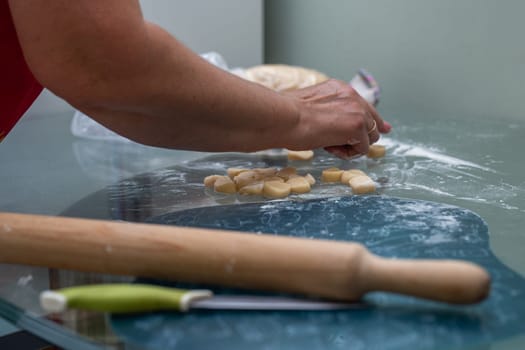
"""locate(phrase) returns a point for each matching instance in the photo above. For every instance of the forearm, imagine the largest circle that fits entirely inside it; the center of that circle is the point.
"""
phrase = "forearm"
(181, 101)
(138, 80)
(103, 58)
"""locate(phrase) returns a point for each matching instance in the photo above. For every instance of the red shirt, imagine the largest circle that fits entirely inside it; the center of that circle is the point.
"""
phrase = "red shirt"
(18, 86)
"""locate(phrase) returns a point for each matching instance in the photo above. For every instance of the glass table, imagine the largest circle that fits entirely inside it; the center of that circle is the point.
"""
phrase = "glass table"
(46, 170)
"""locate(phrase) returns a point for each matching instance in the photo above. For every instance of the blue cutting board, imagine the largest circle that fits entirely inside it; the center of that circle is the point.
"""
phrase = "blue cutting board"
(390, 227)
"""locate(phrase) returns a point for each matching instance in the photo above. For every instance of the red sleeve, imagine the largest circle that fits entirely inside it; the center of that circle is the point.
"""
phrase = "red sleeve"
(18, 86)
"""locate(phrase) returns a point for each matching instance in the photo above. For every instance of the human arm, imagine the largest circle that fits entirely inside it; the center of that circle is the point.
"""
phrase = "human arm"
(133, 77)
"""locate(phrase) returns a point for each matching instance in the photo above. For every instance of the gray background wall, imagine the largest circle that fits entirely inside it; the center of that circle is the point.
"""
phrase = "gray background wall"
(449, 58)
(233, 28)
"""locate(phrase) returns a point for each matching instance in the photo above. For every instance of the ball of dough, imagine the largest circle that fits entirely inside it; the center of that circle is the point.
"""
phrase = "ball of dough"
(282, 77)
(362, 184)
(286, 173)
(331, 175)
(276, 189)
(347, 175)
(265, 172)
(225, 185)
(376, 151)
(255, 188)
(232, 172)
(274, 178)
(310, 179)
(209, 181)
(246, 178)
(299, 185)
(300, 155)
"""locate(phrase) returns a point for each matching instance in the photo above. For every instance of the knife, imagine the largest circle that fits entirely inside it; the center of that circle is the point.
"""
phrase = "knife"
(130, 298)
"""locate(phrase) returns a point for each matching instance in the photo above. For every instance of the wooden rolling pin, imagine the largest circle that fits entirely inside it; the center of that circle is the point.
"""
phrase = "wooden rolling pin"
(321, 268)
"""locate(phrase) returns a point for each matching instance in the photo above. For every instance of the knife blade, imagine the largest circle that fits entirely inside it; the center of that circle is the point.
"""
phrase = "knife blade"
(269, 303)
(129, 298)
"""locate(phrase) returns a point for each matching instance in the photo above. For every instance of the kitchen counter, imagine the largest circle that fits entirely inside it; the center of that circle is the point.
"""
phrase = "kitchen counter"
(46, 170)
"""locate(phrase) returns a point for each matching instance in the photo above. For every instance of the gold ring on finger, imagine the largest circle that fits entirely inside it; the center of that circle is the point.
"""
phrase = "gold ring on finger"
(373, 128)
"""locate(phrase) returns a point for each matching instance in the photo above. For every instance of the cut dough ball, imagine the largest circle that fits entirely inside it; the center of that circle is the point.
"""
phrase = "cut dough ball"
(274, 178)
(376, 151)
(209, 181)
(276, 189)
(299, 185)
(347, 175)
(225, 185)
(253, 189)
(300, 155)
(362, 184)
(266, 172)
(232, 172)
(331, 175)
(310, 179)
(247, 177)
(286, 173)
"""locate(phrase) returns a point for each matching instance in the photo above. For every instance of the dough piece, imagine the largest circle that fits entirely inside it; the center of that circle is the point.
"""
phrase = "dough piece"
(274, 178)
(286, 173)
(255, 188)
(232, 172)
(300, 155)
(331, 175)
(247, 177)
(276, 189)
(282, 77)
(209, 181)
(225, 185)
(311, 180)
(266, 171)
(347, 175)
(299, 185)
(376, 151)
(362, 184)
(270, 182)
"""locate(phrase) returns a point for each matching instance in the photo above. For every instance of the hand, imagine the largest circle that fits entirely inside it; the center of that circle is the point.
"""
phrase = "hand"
(334, 116)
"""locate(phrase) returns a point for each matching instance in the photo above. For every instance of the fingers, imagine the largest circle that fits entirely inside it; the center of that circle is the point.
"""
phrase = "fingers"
(382, 126)
(375, 124)
(360, 145)
(344, 152)
(340, 117)
(373, 133)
